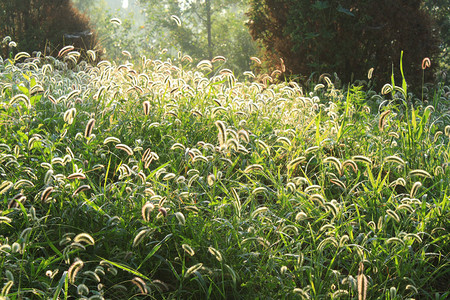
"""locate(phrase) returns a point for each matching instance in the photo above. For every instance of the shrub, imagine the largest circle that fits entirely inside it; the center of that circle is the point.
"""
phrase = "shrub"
(44, 25)
(348, 37)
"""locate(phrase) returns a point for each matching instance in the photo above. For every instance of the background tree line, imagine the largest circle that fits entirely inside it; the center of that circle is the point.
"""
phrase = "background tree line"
(311, 37)
(42, 25)
(202, 29)
(349, 37)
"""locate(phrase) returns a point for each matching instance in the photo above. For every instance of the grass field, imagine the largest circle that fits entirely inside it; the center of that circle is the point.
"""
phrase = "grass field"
(175, 180)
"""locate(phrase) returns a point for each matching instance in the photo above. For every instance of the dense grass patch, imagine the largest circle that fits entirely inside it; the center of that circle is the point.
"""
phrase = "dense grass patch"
(158, 181)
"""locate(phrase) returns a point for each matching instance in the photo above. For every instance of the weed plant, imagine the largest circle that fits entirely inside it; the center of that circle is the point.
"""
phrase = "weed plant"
(173, 180)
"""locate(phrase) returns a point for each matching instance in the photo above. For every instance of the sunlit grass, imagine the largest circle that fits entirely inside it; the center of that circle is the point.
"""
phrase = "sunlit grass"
(179, 180)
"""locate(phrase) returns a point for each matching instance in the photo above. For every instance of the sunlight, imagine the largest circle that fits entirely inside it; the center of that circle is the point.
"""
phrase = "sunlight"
(124, 3)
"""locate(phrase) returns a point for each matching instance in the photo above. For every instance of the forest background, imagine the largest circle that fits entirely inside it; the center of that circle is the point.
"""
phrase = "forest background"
(205, 29)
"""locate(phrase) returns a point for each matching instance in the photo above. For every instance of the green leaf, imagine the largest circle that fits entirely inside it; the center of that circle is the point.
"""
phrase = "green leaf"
(345, 11)
(393, 81)
(404, 86)
(413, 118)
(318, 139)
(156, 248)
(23, 89)
(61, 283)
(35, 99)
(127, 269)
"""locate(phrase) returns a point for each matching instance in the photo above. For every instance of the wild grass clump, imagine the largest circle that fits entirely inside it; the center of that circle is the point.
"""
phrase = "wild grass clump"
(176, 180)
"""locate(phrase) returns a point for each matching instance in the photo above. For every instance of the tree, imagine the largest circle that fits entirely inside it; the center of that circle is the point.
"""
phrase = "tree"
(440, 11)
(45, 25)
(202, 29)
(348, 37)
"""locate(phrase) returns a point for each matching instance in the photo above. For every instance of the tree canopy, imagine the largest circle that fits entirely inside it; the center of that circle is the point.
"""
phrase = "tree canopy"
(440, 11)
(44, 25)
(202, 29)
(347, 37)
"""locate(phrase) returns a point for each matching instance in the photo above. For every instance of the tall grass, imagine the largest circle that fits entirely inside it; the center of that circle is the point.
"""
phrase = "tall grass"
(177, 180)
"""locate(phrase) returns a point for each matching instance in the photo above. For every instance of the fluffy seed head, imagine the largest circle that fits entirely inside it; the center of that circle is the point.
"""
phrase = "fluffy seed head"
(89, 126)
(426, 63)
(140, 283)
(194, 268)
(125, 148)
(216, 253)
(65, 49)
(46, 193)
(176, 19)
(146, 210)
(74, 269)
(188, 249)
(369, 74)
(146, 106)
(255, 59)
(382, 121)
(116, 21)
(362, 283)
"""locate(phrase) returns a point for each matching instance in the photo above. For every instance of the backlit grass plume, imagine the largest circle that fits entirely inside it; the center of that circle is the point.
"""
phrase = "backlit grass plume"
(180, 178)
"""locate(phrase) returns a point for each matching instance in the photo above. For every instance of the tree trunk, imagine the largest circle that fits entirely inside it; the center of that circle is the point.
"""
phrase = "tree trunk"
(208, 27)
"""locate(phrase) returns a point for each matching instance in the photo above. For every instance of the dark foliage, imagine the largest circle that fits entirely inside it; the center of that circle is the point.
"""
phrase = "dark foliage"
(347, 37)
(440, 10)
(44, 25)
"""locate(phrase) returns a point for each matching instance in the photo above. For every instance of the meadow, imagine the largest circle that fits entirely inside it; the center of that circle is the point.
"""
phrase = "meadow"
(181, 180)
